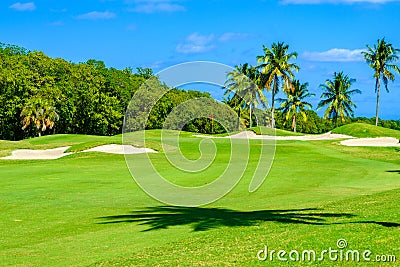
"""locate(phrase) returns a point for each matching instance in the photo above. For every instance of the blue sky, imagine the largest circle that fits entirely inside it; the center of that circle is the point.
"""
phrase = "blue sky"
(327, 34)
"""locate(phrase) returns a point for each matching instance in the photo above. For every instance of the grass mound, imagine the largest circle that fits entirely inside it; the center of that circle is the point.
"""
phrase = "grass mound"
(270, 131)
(80, 142)
(363, 130)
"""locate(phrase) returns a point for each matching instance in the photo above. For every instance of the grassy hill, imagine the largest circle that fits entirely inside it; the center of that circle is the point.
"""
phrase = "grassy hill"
(78, 142)
(269, 131)
(363, 130)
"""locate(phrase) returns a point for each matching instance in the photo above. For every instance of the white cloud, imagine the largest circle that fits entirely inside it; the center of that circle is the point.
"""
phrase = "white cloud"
(313, 2)
(196, 43)
(200, 39)
(154, 6)
(30, 6)
(232, 36)
(335, 55)
(156, 65)
(95, 15)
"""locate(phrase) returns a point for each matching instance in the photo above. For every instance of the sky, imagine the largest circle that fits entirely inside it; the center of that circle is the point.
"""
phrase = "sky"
(328, 36)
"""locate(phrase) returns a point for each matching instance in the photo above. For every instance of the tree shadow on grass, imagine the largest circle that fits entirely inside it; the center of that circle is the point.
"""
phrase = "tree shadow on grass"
(394, 171)
(385, 224)
(203, 219)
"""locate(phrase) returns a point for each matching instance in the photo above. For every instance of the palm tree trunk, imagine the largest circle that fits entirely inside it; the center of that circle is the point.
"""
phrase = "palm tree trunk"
(238, 124)
(274, 91)
(273, 109)
(294, 123)
(378, 94)
(255, 115)
(250, 115)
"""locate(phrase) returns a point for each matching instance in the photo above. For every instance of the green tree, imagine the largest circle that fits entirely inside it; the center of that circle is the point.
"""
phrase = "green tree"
(16, 84)
(295, 103)
(40, 114)
(275, 67)
(147, 73)
(237, 104)
(243, 81)
(337, 96)
(381, 58)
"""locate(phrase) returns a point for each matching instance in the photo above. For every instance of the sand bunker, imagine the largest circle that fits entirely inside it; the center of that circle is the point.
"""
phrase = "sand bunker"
(54, 153)
(252, 135)
(326, 136)
(121, 149)
(379, 142)
(350, 140)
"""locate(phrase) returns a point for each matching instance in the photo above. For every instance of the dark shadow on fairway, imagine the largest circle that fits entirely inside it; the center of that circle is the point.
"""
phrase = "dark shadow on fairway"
(394, 171)
(207, 218)
(385, 224)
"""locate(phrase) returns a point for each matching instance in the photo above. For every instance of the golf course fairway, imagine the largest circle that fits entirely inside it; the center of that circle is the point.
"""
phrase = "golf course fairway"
(85, 209)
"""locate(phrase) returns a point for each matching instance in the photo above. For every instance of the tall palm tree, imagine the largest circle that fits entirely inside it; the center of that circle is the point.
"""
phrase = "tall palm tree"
(276, 68)
(380, 59)
(337, 96)
(40, 114)
(243, 82)
(295, 102)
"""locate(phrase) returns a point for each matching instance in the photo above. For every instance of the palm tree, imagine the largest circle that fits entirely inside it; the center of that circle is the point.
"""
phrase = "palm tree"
(295, 102)
(337, 97)
(380, 59)
(237, 104)
(243, 82)
(40, 114)
(275, 68)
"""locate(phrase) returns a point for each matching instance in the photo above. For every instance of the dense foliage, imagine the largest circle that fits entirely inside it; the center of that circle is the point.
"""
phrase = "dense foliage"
(88, 97)
(85, 98)
(317, 125)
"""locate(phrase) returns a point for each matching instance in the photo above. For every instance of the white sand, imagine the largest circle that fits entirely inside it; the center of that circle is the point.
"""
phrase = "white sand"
(27, 154)
(56, 153)
(120, 149)
(378, 142)
(350, 140)
(326, 136)
(252, 135)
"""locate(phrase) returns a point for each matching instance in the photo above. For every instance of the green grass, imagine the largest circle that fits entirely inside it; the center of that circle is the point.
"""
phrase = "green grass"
(77, 142)
(270, 131)
(363, 130)
(260, 130)
(86, 210)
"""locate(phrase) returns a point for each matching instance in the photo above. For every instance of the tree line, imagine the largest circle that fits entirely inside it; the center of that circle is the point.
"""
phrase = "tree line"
(275, 71)
(42, 95)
